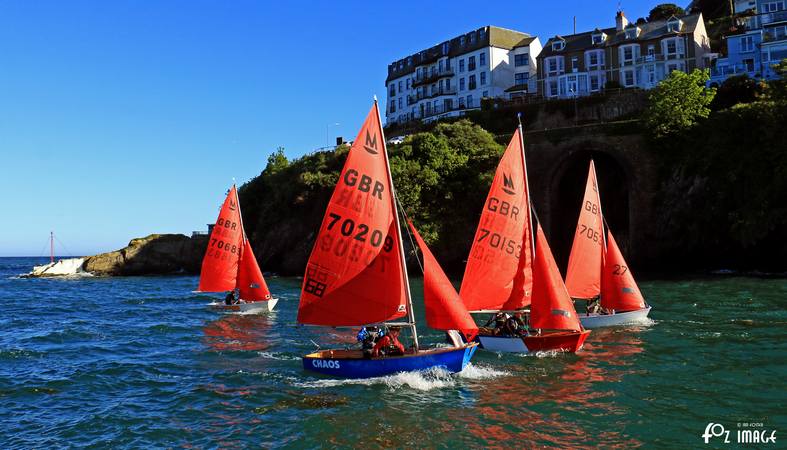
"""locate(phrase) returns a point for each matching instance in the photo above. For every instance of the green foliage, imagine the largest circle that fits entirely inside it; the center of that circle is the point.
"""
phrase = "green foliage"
(678, 102)
(777, 89)
(441, 178)
(664, 11)
(737, 89)
(724, 196)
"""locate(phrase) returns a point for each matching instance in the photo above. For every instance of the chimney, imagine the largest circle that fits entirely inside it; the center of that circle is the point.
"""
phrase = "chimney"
(620, 21)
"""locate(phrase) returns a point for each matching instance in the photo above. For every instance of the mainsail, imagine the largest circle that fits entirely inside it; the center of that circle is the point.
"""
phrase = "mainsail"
(498, 274)
(551, 308)
(583, 276)
(619, 291)
(220, 265)
(354, 275)
(444, 307)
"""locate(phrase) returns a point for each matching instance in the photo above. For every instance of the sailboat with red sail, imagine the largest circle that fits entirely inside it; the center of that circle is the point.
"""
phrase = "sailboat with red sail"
(229, 263)
(511, 268)
(356, 273)
(597, 270)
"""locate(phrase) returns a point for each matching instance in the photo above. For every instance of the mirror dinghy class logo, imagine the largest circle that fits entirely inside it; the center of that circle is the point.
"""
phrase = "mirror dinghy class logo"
(747, 433)
(323, 364)
(371, 143)
(508, 184)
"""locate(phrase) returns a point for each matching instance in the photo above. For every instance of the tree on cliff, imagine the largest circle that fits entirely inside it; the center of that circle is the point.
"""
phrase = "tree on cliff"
(737, 89)
(665, 11)
(678, 102)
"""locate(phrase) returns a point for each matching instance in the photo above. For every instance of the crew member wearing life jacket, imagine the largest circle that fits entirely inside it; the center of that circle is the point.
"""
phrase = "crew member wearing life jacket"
(389, 345)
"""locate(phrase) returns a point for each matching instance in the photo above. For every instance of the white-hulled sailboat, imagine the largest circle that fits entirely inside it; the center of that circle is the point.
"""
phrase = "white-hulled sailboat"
(229, 263)
(511, 268)
(596, 267)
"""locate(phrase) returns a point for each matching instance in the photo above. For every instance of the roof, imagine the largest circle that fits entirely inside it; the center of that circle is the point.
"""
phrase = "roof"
(648, 31)
(488, 36)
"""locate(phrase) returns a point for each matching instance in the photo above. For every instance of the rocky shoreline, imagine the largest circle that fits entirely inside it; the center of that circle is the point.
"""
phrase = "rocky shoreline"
(156, 254)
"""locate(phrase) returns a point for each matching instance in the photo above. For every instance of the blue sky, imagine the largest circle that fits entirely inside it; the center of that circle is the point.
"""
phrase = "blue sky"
(124, 118)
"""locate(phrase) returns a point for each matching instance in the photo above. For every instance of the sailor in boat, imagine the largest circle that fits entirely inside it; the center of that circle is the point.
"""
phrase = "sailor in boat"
(389, 344)
(232, 297)
(594, 307)
(368, 337)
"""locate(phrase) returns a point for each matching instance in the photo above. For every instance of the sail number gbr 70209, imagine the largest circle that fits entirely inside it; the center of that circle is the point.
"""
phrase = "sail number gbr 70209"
(355, 235)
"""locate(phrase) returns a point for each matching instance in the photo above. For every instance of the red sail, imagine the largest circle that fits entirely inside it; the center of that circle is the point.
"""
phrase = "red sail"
(444, 307)
(552, 308)
(619, 291)
(220, 264)
(250, 282)
(354, 275)
(583, 276)
(498, 273)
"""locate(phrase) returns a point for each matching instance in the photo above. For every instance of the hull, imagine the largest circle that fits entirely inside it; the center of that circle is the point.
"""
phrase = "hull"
(352, 364)
(250, 307)
(610, 320)
(564, 341)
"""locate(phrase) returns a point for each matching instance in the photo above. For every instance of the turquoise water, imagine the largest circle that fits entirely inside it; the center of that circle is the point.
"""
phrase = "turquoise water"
(142, 362)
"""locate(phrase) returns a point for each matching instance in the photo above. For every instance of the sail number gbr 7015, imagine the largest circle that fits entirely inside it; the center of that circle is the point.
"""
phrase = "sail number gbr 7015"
(498, 242)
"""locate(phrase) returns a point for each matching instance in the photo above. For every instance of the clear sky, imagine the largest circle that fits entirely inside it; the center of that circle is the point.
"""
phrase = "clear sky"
(123, 118)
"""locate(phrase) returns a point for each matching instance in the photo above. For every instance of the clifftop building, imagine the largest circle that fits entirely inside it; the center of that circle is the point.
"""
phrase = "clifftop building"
(633, 55)
(451, 77)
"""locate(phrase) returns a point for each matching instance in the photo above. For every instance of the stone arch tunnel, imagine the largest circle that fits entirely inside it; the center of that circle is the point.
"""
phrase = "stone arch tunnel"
(627, 176)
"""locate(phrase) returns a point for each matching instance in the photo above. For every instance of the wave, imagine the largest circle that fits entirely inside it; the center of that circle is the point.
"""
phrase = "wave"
(422, 380)
(278, 356)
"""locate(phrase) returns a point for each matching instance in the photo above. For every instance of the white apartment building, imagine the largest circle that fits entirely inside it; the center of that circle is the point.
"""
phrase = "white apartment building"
(453, 76)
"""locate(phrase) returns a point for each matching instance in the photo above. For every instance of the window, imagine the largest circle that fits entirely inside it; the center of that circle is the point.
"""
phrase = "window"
(472, 38)
(440, 65)
(437, 106)
(651, 74)
(445, 48)
(400, 102)
(461, 65)
(485, 94)
(749, 63)
(521, 78)
(461, 84)
(482, 78)
(597, 38)
(401, 83)
(554, 65)
(772, 7)
(462, 40)
(631, 33)
(558, 45)
(469, 101)
(594, 83)
(461, 102)
(471, 63)
(447, 83)
(408, 83)
(393, 106)
(628, 54)
(482, 33)
(482, 59)
(672, 48)
(747, 43)
(651, 51)
(673, 26)
(521, 60)
(574, 64)
(594, 59)
(392, 90)
(552, 91)
(418, 73)
(471, 82)
(628, 78)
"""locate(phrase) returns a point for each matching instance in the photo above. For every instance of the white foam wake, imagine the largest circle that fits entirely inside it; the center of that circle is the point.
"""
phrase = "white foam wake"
(422, 380)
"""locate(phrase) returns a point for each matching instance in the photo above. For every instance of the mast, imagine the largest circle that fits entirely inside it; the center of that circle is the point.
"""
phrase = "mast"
(527, 189)
(410, 312)
(600, 211)
(51, 247)
(240, 214)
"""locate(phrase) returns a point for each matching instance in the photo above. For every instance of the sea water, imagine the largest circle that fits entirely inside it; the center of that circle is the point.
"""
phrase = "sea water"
(138, 362)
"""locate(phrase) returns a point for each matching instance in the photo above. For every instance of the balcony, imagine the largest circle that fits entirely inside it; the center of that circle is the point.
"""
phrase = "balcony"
(426, 78)
(728, 70)
(774, 35)
(757, 21)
